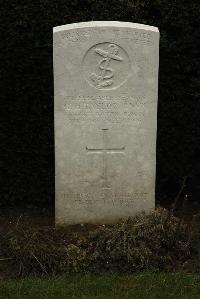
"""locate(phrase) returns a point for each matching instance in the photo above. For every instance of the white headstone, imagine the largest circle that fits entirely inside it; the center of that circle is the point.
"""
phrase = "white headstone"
(105, 83)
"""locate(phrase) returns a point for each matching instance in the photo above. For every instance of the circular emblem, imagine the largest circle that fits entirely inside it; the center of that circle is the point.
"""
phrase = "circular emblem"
(106, 66)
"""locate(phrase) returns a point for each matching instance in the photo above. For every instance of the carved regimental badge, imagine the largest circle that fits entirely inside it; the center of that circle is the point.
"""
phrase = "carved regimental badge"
(106, 66)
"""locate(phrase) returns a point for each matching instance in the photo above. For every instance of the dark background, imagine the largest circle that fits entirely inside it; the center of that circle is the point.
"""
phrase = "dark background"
(27, 92)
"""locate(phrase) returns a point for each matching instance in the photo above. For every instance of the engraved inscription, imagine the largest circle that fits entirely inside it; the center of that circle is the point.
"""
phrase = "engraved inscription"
(83, 35)
(119, 109)
(106, 66)
(105, 150)
(109, 198)
(76, 36)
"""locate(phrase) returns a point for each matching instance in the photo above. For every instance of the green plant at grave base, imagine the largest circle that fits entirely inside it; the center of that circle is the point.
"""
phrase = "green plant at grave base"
(41, 251)
(76, 258)
(158, 241)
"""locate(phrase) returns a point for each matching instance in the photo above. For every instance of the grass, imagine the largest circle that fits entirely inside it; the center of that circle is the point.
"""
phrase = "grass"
(90, 286)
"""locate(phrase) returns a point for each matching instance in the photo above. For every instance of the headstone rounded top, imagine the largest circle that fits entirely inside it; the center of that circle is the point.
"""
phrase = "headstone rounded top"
(105, 24)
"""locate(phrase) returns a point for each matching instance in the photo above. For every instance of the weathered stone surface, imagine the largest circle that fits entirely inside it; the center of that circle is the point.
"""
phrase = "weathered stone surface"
(105, 82)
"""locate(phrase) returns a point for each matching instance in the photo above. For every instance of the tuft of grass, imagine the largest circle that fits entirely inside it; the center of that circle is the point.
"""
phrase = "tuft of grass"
(156, 242)
(137, 286)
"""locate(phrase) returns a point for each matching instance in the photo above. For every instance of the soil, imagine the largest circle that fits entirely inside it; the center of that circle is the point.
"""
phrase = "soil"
(44, 217)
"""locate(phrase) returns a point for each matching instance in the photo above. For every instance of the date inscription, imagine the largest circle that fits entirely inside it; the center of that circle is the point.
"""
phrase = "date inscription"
(122, 199)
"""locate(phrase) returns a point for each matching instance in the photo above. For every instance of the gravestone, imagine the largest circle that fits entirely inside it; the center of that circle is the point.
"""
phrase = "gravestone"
(105, 86)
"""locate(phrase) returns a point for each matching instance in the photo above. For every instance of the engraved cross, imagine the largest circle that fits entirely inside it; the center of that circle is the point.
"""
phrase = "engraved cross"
(105, 150)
